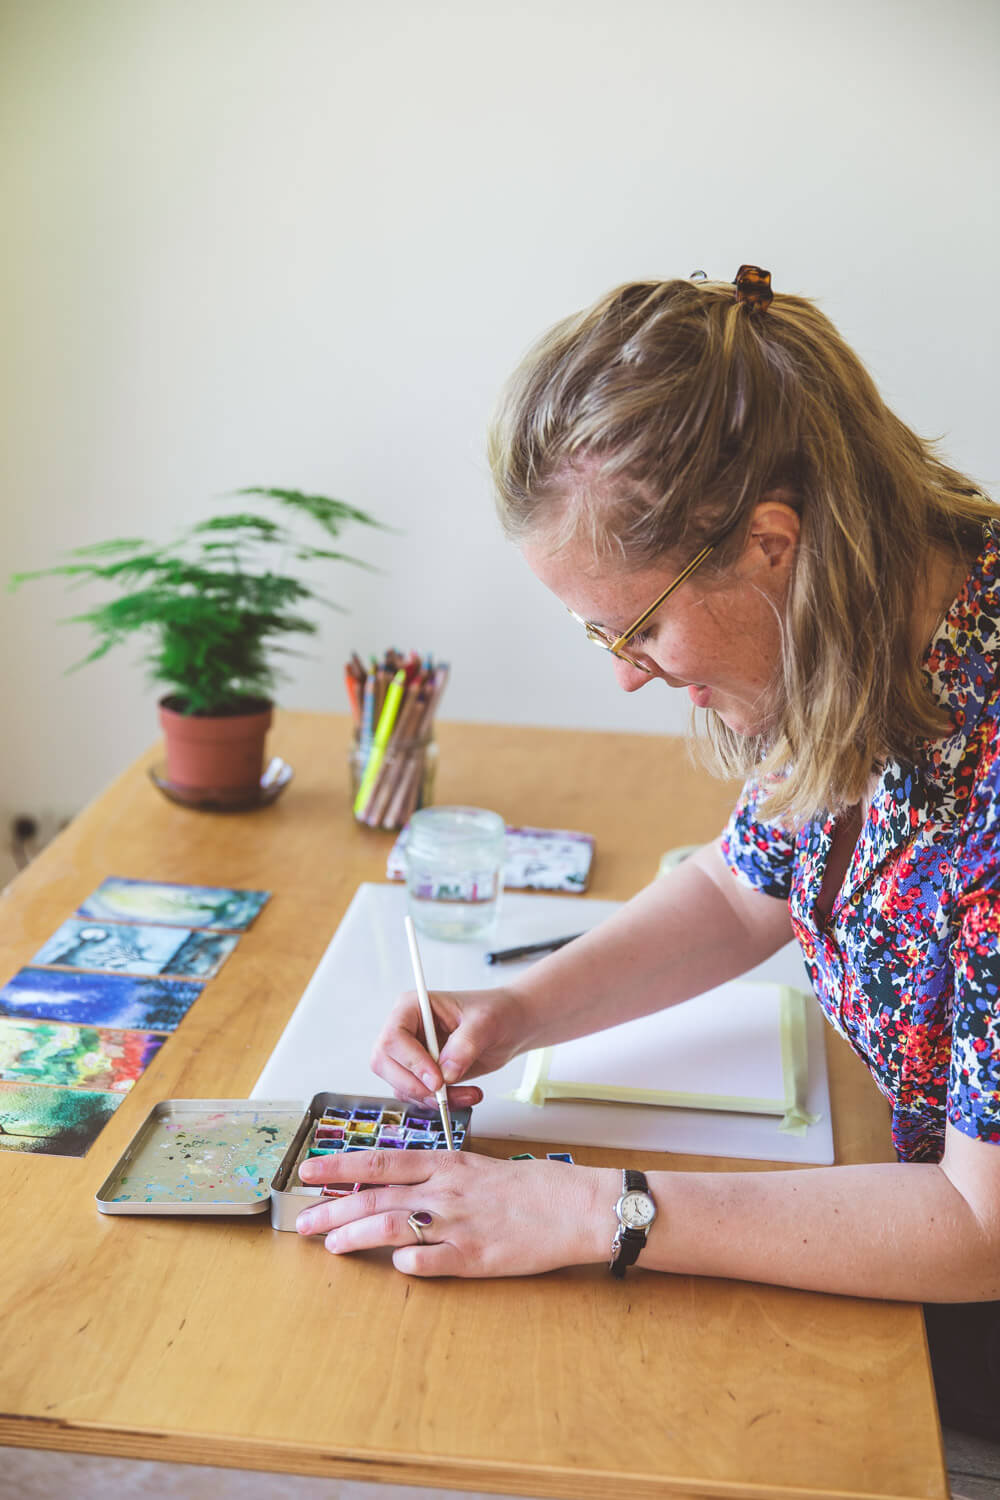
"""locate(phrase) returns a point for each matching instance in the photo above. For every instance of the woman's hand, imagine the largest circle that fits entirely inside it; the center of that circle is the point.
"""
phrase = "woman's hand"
(478, 1031)
(488, 1218)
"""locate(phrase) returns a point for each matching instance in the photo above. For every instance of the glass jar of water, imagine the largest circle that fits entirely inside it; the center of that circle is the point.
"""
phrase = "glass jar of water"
(454, 871)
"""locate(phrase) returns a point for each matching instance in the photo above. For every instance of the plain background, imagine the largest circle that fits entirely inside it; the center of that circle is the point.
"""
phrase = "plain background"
(303, 244)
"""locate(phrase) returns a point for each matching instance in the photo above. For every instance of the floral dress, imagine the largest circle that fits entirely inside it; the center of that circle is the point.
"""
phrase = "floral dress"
(907, 965)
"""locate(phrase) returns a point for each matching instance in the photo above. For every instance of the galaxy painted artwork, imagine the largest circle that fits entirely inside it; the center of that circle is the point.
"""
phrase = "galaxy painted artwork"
(120, 1000)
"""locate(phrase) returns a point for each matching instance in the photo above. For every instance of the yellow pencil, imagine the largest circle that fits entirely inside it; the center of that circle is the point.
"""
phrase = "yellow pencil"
(383, 734)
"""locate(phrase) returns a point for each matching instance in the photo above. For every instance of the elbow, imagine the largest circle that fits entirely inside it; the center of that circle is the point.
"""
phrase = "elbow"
(974, 1258)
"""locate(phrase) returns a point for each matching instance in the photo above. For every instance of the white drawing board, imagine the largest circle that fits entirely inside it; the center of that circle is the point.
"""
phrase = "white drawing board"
(328, 1040)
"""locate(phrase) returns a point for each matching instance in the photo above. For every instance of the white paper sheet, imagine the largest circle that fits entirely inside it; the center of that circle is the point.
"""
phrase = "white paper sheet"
(328, 1040)
(725, 1042)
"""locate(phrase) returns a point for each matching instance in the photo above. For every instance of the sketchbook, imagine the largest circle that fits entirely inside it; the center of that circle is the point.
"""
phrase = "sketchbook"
(758, 1066)
(728, 1042)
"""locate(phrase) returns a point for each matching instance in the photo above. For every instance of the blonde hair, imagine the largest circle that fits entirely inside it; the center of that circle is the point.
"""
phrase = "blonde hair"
(655, 422)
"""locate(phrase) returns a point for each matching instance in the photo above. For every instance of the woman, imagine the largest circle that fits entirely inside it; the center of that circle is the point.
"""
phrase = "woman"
(706, 476)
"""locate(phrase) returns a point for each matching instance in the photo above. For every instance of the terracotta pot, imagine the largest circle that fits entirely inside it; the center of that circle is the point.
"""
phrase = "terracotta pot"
(215, 754)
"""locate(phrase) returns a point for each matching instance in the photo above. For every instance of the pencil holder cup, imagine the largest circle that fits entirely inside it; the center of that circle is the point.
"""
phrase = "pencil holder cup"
(403, 782)
(454, 871)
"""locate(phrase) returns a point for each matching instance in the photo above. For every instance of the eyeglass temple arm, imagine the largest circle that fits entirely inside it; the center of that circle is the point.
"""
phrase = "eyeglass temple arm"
(695, 562)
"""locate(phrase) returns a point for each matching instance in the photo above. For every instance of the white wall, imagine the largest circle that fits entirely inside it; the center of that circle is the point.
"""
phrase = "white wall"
(304, 243)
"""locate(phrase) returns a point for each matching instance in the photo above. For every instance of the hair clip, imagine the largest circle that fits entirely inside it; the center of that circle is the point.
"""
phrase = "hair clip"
(753, 288)
(698, 276)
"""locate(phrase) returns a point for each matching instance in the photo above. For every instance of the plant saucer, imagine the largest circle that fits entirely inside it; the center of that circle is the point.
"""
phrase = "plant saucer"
(275, 778)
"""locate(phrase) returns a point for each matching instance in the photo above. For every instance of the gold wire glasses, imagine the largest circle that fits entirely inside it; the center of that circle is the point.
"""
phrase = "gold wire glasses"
(615, 644)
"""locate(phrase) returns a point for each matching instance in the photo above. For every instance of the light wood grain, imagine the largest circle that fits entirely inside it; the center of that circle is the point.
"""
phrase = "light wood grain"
(220, 1341)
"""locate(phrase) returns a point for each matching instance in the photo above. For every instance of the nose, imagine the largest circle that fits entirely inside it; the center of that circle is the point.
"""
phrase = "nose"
(630, 679)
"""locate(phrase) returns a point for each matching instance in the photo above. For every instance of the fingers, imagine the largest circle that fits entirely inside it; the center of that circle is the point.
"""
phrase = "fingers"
(411, 1091)
(373, 1230)
(365, 1220)
(476, 1216)
(460, 1053)
(464, 1096)
(375, 1218)
(389, 1227)
(402, 1082)
(399, 1047)
(428, 1260)
(401, 1058)
(375, 1166)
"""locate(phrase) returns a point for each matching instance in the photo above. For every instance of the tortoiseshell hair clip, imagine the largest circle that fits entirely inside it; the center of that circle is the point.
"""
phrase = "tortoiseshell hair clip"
(753, 288)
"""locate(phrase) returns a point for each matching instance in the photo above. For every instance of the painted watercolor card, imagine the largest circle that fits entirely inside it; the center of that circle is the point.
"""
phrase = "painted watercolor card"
(120, 1000)
(215, 908)
(535, 859)
(52, 1121)
(78, 1056)
(128, 949)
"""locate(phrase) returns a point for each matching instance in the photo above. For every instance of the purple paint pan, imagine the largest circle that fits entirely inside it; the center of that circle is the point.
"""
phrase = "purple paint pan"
(355, 1110)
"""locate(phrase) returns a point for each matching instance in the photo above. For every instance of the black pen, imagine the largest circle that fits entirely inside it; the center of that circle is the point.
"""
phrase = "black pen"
(529, 950)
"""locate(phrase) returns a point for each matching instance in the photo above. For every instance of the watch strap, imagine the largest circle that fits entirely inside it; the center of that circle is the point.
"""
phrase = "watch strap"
(628, 1242)
(625, 1250)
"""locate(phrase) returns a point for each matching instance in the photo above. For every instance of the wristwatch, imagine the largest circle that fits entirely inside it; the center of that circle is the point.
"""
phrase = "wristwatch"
(636, 1211)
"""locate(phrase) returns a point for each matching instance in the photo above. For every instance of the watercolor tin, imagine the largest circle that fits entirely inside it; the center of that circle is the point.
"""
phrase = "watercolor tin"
(202, 1156)
(240, 1156)
(397, 1126)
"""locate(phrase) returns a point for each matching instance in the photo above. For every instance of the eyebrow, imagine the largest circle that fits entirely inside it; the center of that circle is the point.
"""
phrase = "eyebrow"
(635, 635)
(607, 625)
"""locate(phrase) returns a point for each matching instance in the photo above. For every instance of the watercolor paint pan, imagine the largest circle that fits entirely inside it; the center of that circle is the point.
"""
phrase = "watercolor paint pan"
(286, 1204)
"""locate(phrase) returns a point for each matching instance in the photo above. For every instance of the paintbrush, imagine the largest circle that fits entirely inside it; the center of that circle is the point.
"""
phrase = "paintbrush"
(427, 1015)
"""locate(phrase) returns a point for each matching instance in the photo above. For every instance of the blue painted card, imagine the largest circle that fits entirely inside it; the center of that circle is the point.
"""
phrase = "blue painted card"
(120, 1000)
(128, 949)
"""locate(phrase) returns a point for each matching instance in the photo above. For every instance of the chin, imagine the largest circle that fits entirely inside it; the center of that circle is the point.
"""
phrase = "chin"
(743, 722)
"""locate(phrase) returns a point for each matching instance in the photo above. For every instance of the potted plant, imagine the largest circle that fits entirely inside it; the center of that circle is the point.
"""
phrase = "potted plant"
(217, 606)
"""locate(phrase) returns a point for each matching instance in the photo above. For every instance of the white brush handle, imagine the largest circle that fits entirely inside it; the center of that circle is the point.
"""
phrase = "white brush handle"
(427, 1016)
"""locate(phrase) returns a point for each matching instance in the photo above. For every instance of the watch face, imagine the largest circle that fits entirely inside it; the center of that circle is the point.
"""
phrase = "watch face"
(636, 1210)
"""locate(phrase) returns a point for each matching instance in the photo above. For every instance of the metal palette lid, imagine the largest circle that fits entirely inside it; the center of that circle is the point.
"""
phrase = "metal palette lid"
(203, 1156)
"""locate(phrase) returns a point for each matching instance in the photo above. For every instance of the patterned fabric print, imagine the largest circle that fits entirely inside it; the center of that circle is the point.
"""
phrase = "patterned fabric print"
(907, 966)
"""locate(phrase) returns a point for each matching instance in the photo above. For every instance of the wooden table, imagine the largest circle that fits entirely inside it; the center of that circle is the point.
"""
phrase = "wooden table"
(223, 1342)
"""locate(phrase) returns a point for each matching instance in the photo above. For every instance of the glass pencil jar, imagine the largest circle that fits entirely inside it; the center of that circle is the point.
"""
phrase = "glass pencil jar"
(402, 782)
(454, 871)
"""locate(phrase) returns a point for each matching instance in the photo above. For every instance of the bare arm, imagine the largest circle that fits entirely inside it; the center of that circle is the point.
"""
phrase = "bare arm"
(691, 929)
(901, 1231)
(904, 1230)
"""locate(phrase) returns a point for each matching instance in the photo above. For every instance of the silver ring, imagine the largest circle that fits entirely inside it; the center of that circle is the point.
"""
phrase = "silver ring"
(418, 1221)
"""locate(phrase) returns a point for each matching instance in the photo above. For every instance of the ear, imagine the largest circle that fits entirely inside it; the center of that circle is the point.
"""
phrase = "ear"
(774, 534)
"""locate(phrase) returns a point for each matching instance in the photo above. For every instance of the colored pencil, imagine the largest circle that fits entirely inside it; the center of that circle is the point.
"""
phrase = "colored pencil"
(392, 746)
(383, 734)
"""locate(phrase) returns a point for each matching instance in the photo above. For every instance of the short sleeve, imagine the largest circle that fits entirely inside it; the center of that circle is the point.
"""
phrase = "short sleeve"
(759, 852)
(974, 1075)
